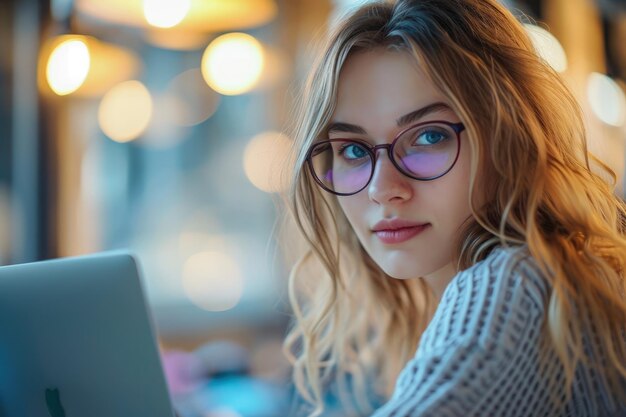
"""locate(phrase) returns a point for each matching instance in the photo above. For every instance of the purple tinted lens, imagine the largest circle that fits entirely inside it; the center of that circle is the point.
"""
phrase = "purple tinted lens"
(340, 170)
(427, 151)
(425, 165)
(351, 179)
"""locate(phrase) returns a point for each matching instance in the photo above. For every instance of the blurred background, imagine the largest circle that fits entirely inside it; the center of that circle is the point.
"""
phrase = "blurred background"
(159, 126)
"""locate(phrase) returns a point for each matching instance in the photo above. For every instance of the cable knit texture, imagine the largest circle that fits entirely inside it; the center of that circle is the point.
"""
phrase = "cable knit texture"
(480, 355)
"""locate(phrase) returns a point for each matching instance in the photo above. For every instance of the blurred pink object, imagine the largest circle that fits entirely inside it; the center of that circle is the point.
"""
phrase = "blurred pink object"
(182, 370)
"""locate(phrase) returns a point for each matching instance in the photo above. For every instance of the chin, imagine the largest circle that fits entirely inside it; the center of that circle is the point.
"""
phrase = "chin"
(405, 272)
(408, 267)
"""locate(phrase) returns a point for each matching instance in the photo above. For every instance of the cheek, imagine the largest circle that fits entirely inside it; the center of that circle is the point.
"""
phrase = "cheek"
(354, 209)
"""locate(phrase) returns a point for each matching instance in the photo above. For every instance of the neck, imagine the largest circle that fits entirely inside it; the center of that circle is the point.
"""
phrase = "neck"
(439, 280)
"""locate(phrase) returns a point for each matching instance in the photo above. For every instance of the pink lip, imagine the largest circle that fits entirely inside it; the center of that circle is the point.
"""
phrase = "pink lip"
(397, 231)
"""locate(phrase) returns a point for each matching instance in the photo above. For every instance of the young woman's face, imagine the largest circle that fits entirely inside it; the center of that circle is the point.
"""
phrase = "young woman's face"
(409, 227)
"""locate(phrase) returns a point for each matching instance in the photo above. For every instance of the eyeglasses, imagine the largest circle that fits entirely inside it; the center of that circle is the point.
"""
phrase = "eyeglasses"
(424, 152)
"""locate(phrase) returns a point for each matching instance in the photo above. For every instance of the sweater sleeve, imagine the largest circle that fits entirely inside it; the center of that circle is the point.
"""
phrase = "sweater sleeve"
(479, 355)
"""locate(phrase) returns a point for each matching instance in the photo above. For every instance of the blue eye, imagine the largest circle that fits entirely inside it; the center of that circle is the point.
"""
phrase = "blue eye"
(352, 151)
(431, 137)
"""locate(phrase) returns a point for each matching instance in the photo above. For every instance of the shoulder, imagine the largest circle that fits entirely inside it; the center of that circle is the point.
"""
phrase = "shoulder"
(484, 335)
(497, 300)
(502, 272)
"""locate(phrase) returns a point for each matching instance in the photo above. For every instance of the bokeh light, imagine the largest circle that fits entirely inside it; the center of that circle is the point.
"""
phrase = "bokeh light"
(265, 159)
(203, 16)
(212, 280)
(232, 64)
(68, 66)
(606, 99)
(165, 13)
(125, 111)
(81, 66)
(548, 47)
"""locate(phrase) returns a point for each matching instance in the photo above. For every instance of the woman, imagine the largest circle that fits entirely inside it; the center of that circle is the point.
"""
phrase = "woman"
(462, 255)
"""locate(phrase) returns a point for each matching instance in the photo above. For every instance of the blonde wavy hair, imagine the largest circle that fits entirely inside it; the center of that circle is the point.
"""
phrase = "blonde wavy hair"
(531, 183)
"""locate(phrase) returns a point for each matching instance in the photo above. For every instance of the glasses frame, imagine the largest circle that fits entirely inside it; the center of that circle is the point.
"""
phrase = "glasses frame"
(373, 152)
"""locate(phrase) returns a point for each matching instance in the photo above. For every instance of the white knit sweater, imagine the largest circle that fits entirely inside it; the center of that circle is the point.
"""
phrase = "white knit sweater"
(480, 355)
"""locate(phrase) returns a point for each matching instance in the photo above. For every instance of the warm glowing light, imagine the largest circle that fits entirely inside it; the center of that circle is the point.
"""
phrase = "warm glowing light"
(81, 66)
(265, 160)
(165, 13)
(68, 66)
(212, 280)
(607, 99)
(548, 47)
(203, 16)
(125, 111)
(232, 64)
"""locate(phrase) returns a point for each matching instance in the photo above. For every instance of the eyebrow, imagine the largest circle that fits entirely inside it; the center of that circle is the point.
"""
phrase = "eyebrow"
(401, 121)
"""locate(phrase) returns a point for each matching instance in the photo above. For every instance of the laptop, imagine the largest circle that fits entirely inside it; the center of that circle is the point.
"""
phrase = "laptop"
(76, 340)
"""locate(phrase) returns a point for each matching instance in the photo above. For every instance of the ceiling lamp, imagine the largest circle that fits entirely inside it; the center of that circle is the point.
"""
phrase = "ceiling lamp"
(190, 15)
(165, 13)
(68, 65)
(81, 66)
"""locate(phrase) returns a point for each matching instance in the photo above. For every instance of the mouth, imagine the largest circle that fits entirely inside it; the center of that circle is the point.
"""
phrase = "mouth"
(399, 234)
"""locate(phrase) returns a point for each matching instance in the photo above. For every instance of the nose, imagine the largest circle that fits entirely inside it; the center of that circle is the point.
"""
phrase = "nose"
(388, 184)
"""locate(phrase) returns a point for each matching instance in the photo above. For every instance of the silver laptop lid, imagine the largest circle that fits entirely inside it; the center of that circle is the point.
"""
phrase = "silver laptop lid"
(76, 340)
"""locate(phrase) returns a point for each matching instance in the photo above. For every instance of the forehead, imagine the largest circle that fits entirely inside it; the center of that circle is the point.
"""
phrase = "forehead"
(382, 84)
